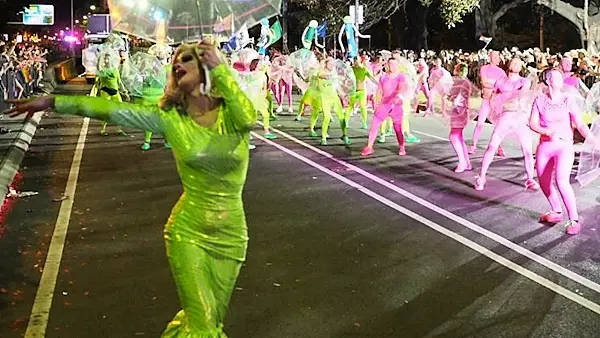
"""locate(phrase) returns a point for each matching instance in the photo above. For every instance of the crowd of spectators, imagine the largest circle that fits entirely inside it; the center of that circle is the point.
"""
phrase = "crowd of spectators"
(22, 68)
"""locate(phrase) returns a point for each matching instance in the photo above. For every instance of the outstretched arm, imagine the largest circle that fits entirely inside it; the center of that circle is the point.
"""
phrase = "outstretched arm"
(359, 34)
(340, 39)
(119, 113)
(124, 114)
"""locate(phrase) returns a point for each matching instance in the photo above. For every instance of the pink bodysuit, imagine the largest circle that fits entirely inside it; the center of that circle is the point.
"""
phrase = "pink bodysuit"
(556, 117)
(507, 99)
(555, 155)
(390, 87)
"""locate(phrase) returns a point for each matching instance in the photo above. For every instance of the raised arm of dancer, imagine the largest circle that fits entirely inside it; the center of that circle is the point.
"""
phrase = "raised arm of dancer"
(240, 110)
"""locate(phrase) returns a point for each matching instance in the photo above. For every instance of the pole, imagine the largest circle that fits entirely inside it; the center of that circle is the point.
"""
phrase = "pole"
(586, 25)
(541, 30)
(72, 16)
(356, 20)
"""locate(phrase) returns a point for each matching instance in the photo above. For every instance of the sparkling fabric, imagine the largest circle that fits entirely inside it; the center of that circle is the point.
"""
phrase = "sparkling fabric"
(206, 233)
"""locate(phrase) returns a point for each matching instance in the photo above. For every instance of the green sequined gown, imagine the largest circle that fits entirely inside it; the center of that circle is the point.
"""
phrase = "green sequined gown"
(206, 234)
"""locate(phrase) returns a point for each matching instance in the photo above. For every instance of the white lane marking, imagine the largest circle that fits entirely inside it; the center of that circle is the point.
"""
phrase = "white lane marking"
(439, 228)
(430, 135)
(40, 312)
(468, 224)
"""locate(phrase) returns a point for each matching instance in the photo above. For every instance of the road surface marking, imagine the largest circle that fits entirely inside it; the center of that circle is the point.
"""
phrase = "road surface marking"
(40, 312)
(439, 228)
(468, 224)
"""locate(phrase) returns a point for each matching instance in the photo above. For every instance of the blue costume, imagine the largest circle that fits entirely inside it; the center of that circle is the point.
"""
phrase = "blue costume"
(264, 38)
(350, 29)
(310, 34)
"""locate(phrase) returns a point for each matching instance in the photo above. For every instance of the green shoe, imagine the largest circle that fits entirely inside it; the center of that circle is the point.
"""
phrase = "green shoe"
(167, 145)
(324, 142)
(389, 132)
(104, 133)
(381, 139)
(412, 139)
(121, 133)
(270, 136)
(346, 140)
(365, 125)
(299, 118)
(313, 133)
(145, 146)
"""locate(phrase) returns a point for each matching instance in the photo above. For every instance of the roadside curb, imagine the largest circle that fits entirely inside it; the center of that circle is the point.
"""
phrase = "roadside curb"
(11, 162)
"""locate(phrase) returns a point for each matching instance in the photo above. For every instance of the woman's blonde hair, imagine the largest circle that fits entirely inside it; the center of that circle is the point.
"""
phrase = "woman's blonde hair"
(173, 97)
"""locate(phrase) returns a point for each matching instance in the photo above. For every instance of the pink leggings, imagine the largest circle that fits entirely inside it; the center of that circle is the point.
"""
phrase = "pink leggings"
(382, 112)
(510, 123)
(458, 144)
(281, 87)
(424, 87)
(557, 157)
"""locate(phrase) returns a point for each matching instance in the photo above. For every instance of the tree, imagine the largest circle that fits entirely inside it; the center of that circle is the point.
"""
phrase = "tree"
(334, 11)
(488, 14)
(453, 11)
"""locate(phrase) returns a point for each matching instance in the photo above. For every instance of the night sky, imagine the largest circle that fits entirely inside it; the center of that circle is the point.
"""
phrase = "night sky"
(559, 33)
(62, 11)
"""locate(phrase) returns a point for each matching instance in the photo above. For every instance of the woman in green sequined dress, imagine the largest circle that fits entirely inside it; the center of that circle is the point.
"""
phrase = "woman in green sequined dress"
(206, 234)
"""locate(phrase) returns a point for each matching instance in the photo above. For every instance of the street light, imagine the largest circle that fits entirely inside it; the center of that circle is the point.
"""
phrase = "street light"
(77, 21)
(92, 7)
(85, 17)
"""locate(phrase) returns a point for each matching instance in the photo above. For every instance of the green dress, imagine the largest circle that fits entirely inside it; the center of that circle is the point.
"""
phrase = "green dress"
(206, 234)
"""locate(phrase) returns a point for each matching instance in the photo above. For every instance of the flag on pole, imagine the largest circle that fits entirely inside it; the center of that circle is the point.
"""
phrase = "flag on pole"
(322, 30)
(275, 33)
(239, 40)
(485, 39)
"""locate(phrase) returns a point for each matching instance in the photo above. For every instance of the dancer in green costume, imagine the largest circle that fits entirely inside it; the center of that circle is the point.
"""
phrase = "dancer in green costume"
(206, 235)
(362, 73)
(323, 97)
(152, 91)
(108, 84)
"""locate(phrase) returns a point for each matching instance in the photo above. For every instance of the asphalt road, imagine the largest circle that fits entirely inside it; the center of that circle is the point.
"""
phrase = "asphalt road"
(341, 245)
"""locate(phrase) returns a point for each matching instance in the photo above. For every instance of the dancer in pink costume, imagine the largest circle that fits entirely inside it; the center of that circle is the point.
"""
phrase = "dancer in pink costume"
(553, 113)
(392, 90)
(510, 115)
(489, 74)
(422, 84)
(376, 68)
(460, 95)
(566, 66)
(283, 83)
(440, 82)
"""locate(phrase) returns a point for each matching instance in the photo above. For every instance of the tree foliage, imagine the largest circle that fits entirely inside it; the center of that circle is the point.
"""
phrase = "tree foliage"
(453, 11)
(333, 11)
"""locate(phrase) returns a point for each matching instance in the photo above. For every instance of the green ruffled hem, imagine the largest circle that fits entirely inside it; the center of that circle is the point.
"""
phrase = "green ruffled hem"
(178, 328)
